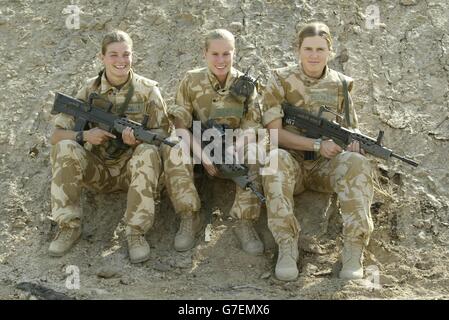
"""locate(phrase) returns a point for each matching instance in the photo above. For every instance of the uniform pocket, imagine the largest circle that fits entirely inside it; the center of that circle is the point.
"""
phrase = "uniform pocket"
(134, 108)
(228, 108)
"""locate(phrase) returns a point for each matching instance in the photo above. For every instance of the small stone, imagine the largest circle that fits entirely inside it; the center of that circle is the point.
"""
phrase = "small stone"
(265, 275)
(34, 151)
(107, 272)
(182, 262)
(422, 237)
(19, 224)
(161, 266)
(99, 292)
(408, 2)
(3, 20)
(24, 295)
(344, 56)
(357, 29)
(310, 269)
(387, 280)
(236, 26)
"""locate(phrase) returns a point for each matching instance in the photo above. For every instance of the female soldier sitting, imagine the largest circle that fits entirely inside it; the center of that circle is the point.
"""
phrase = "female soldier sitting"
(205, 94)
(102, 166)
(311, 84)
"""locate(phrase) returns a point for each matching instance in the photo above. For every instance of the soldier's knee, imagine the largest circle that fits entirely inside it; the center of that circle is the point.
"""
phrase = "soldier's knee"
(165, 151)
(65, 148)
(279, 157)
(280, 163)
(145, 157)
(282, 155)
(357, 160)
(357, 163)
(146, 150)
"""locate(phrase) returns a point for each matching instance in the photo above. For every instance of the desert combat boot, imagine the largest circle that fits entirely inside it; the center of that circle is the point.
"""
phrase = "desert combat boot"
(138, 247)
(286, 266)
(188, 228)
(351, 258)
(248, 237)
(64, 240)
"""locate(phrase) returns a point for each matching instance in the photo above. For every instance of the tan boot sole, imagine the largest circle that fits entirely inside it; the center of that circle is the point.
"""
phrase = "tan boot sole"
(140, 260)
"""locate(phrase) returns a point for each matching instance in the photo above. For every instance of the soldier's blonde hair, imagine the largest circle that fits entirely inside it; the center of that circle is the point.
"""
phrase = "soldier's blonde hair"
(314, 29)
(112, 37)
(115, 36)
(218, 34)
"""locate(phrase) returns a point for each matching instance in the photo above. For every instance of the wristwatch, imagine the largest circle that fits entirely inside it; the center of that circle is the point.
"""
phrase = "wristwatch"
(79, 137)
(317, 145)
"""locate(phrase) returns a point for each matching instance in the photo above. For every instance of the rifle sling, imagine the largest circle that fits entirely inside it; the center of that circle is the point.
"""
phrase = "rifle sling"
(129, 94)
(116, 147)
(346, 100)
(121, 111)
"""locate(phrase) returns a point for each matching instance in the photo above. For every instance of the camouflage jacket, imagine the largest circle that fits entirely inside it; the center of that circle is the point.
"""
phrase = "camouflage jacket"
(200, 97)
(291, 84)
(146, 100)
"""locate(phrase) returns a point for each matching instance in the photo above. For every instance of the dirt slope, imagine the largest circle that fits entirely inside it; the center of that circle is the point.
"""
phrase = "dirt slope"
(400, 69)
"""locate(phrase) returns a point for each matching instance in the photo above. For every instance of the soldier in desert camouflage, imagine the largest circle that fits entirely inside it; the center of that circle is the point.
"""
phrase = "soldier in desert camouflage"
(205, 94)
(305, 163)
(99, 165)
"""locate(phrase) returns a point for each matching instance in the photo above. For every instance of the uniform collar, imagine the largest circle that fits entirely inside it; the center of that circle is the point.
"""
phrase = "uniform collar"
(309, 80)
(229, 79)
(105, 86)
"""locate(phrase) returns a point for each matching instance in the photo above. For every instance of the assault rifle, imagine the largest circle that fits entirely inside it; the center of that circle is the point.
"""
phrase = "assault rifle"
(87, 112)
(233, 171)
(317, 127)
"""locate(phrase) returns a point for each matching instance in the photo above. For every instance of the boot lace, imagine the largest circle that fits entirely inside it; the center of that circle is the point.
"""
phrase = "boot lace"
(136, 240)
(287, 247)
(186, 225)
(64, 234)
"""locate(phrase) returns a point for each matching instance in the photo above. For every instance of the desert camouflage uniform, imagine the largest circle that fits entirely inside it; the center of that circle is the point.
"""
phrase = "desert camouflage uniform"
(137, 170)
(348, 174)
(200, 97)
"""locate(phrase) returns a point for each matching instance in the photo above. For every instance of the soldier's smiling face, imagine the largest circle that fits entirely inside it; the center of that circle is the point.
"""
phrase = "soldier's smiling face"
(313, 55)
(219, 57)
(117, 61)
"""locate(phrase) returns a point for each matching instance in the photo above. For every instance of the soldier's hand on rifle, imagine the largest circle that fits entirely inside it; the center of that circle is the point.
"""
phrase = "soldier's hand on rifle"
(128, 137)
(98, 136)
(329, 149)
(208, 165)
(354, 146)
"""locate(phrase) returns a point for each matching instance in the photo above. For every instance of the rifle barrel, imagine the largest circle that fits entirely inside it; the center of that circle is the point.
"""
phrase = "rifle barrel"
(407, 160)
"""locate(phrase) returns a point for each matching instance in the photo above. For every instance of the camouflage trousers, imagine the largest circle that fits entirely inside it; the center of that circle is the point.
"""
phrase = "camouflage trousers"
(179, 181)
(180, 184)
(246, 205)
(349, 175)
(74, 167)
